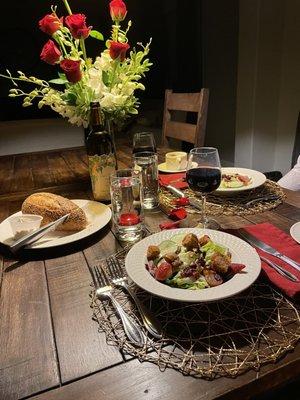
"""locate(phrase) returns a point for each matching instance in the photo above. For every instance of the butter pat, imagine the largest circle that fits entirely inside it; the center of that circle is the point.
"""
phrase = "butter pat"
(176, 160)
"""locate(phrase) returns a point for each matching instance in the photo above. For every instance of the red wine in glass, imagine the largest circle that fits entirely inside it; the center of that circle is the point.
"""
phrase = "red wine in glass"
(204, 176)
(143, 142)
(203, 179)
(143, 149)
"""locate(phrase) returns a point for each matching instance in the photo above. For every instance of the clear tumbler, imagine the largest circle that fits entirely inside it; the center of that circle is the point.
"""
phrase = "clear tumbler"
(126, 199)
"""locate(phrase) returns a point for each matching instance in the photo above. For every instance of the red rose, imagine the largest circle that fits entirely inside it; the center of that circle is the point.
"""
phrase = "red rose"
(76, 24)
(72, 70)
(118, 50)
(118, 10)
(50, 24)
(50, 53)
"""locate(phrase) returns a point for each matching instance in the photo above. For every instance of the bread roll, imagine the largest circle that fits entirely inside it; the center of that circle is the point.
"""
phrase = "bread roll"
(51, 207)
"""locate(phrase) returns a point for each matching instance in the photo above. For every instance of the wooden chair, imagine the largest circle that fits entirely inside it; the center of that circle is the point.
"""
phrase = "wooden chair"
(189, 102)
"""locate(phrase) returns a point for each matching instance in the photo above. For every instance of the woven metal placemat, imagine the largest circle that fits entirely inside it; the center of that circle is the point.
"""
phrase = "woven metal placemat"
(235, 204)
(211, 340)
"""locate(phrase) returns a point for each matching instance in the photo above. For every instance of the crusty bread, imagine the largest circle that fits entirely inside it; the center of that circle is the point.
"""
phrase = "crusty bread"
(51, 207)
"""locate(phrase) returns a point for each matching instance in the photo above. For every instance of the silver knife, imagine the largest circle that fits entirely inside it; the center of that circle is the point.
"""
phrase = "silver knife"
(36, 235)
(263, 198)
(280, 270)
(268, 249)
(179, 193)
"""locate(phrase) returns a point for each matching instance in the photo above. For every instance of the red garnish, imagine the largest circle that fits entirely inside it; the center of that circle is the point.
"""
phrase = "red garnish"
(163, 271)
(125, 182)
(178, 214)
(169, 225)
(236, 268)
(129, 219)
(182, 201)
(244, 178)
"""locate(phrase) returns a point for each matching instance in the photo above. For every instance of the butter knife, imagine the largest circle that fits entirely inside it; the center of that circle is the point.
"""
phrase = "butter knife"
(36, 235)
(263, 198)
(268, 249)
(179, 193)
(280, 270)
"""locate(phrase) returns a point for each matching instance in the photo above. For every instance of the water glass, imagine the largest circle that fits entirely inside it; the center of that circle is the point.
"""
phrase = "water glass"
(126, 200)
(145, 164)
(143, 141)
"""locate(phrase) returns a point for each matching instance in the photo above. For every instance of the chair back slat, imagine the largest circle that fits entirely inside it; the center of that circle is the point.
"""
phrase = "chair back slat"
(187, 102)
(184, 102)
(181, 131)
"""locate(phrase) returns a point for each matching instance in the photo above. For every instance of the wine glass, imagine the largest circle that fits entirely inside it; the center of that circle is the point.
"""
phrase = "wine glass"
(204, 176)
(143, 142)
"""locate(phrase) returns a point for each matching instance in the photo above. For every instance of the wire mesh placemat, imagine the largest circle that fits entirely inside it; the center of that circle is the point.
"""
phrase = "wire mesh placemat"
(210, 340)
(235, 204)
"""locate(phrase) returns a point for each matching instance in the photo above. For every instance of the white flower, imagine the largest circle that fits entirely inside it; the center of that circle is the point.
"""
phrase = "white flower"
(110, 101)
(95, 82)
(104, 62)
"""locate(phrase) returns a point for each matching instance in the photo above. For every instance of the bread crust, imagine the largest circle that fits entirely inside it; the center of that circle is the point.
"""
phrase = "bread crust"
(51, 207)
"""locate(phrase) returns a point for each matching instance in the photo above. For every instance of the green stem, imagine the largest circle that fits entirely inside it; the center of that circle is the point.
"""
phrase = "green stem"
(116, 63)
(116, 31)
(23, 80)
(67, 7)
(61, 43)
(82, 45)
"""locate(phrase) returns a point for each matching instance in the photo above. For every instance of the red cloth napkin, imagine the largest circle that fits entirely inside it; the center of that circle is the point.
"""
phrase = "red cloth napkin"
(176, 180)
(284, 243)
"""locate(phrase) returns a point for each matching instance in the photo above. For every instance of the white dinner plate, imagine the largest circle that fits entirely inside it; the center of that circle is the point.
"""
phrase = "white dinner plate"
(163, 168)
(258, 179)
(241, 252)
(98, 215)
(295, 232)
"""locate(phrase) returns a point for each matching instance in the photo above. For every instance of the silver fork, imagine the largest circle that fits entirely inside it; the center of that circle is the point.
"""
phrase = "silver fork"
(103, 292)
(119, 279)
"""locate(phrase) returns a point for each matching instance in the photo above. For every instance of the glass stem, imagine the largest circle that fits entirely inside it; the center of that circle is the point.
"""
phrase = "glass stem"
(203, 210)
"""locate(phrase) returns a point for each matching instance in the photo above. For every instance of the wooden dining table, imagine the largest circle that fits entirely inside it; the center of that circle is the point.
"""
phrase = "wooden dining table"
(50, 348)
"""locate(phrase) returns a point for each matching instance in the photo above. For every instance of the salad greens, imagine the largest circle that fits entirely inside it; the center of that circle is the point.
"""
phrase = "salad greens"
(188, 262)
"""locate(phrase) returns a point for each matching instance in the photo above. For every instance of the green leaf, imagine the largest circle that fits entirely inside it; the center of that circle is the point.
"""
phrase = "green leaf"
(59, 81)
(96, 35)
(62, 75)
(71, 98)
(105, 78)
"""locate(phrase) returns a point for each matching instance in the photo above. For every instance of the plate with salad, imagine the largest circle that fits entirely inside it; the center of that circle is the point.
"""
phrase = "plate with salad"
(193, 265)
(235, 180)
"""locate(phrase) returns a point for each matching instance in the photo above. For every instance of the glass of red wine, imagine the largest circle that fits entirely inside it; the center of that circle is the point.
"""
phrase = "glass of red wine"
(203, 176)
(143, 142)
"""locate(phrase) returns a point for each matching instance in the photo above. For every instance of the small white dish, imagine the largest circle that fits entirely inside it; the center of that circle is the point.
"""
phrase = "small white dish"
(98, 215)
(241, 252)
(24, 224)
(257, 179)
(295, 232)
(163, 168)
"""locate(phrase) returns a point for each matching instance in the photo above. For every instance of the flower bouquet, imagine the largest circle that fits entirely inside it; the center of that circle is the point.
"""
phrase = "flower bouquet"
(111, 79)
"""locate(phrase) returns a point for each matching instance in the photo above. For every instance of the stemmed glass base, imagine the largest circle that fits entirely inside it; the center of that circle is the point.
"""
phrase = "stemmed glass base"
(205, 222)
(209, 224)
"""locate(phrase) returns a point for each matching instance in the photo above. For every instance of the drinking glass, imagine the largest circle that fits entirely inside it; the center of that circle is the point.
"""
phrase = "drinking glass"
(143, 141)
(126, 199)
(204, 176)
(145, 165)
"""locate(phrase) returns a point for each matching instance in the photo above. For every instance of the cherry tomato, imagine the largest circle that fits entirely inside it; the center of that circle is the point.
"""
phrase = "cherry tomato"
(236, 268)
(163, 271)
(129, 219)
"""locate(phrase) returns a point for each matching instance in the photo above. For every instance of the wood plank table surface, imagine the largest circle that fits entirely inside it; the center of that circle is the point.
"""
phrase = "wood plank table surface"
(50, 347)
